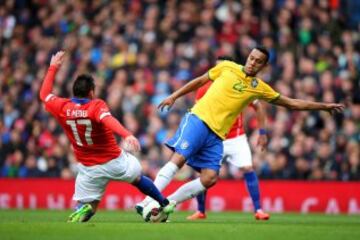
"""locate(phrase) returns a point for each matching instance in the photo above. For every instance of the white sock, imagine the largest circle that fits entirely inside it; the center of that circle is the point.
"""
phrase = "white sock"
(163, 178)
(187, 191)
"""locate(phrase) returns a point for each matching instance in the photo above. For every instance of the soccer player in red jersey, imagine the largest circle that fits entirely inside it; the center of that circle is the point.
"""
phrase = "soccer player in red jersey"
(89, 125)
(237, 152)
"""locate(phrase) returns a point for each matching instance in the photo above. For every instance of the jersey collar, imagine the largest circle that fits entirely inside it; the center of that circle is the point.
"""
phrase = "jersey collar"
(80, 100)
(247, 76)
(243, 70)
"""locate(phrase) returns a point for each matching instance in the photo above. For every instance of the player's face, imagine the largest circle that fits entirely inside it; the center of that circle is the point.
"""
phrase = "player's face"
(255, 62)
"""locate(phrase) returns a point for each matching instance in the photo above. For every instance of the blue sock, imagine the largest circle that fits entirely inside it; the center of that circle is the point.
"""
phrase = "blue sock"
(201, 199)
(147, 187)
(253, 188)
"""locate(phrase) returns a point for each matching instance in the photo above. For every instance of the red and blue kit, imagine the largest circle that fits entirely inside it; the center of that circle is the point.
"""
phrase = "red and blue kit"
(87, 123)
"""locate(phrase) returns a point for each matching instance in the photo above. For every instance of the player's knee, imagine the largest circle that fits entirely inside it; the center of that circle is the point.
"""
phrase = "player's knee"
(178, 160)
(208, 180)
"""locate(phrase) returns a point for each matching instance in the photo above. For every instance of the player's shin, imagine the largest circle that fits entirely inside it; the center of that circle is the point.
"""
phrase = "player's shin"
(146, 186)
(187, 191)
(163, 178)
(201, 200)
(252, 184)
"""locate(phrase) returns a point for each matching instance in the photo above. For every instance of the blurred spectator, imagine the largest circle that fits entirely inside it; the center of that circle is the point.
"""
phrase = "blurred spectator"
(140, 51)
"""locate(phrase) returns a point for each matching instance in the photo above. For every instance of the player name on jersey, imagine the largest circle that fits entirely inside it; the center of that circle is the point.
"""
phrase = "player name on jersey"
(76, 113)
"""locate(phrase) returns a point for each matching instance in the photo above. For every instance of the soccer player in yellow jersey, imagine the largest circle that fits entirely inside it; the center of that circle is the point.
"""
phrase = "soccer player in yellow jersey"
(198, 140)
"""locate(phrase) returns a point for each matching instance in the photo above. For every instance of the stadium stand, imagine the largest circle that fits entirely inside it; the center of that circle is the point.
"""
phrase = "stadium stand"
(140, 51)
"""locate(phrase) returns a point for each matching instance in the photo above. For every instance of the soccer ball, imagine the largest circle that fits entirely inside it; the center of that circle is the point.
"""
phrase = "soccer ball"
(152, 212)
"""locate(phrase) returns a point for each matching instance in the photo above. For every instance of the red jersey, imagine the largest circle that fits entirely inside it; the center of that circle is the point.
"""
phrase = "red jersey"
(93, 143)
(87, 123)
(237, 128)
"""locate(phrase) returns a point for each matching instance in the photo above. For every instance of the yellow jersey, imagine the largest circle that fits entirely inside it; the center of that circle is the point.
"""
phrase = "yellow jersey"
(232, 90)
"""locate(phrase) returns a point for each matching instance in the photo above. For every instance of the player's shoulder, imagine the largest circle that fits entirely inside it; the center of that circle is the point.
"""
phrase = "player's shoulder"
(260, 81)
(99, 109)
(98, 101)
(98, 104)
(232, 67)
(261, 85)
(229, 64)
(52, 98)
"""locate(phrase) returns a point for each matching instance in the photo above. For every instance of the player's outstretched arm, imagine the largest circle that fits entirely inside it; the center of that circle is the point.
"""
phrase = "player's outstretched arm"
(47, 85)
(189, 87)
(261, 121)
(298, 104)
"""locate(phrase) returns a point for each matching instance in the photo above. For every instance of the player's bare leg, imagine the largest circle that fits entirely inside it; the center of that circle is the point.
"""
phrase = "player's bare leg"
(254, 192)
(84, 211)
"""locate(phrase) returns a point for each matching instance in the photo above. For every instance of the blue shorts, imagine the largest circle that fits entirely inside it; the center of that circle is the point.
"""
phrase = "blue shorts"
(195, 141)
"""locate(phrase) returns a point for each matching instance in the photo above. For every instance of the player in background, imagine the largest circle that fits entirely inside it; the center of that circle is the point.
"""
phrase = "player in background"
(198, 140)
(89, 125)
(237, 152)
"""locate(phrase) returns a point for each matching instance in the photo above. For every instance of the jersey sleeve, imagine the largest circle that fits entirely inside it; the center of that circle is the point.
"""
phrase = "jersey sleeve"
(102, 114)
(53, 103)
(101, 111)
(215, 72)
(267, 93)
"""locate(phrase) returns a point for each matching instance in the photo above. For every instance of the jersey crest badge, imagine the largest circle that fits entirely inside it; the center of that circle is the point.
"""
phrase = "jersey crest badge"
(254, 83)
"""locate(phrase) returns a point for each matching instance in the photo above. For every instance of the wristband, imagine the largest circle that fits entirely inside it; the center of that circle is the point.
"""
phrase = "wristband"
(262, 131)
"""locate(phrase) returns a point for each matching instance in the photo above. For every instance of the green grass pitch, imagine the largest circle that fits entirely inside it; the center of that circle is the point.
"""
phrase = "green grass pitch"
(44, 224)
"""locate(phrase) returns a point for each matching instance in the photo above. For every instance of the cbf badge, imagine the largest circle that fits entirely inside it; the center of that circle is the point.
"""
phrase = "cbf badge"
(254, 82)
(184, 145)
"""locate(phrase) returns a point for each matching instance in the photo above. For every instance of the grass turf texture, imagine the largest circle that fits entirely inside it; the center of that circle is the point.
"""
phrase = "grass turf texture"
(44, 224)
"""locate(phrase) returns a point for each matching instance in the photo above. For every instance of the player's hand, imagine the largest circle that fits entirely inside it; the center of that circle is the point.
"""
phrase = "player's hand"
(169, 101)
(262, 141)
(333, 108)
(131, 144)
(57, 59)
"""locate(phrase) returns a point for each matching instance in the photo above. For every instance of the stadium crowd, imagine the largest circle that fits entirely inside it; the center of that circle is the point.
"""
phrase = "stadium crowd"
(139, 51)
